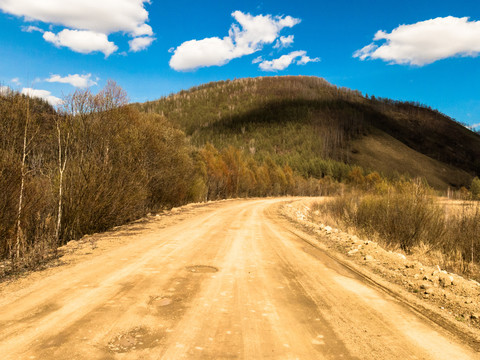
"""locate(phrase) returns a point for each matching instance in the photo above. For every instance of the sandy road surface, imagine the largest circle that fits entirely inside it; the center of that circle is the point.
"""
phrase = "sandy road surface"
(160, 296)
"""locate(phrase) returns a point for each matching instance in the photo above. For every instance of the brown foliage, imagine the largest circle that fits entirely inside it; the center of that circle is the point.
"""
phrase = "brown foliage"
(406, 215)
(112, 163)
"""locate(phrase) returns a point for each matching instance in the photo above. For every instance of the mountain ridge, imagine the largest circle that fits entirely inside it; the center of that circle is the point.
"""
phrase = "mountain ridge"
(298, 119)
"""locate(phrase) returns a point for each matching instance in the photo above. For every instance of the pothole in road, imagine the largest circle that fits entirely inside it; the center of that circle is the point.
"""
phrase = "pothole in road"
(202, 269)
(167, 307)
(136, 338)
(159, 301)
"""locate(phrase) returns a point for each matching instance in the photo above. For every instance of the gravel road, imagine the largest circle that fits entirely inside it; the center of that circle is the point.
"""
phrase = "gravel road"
(225, 281)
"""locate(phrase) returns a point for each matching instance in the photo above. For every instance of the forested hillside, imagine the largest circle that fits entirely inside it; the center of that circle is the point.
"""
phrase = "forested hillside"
(315, 127)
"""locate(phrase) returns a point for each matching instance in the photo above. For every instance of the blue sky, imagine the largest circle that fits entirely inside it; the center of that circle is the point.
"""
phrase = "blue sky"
(423, 51)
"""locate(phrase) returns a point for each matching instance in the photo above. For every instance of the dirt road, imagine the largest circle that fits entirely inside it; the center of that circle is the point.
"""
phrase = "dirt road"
(226, 282)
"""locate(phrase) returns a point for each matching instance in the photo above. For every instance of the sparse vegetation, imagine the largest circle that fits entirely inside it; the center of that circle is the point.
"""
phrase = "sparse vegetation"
(475, 188)
(407, 215)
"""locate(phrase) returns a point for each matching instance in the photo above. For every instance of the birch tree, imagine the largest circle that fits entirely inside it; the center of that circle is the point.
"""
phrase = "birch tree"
(19, 236)
(63, 141)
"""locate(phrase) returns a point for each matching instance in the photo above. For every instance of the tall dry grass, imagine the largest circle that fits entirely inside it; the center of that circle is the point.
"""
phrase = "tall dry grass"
(407, 215)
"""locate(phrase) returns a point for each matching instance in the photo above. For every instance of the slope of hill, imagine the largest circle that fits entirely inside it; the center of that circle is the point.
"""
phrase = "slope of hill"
(398, 157)
(309, 124)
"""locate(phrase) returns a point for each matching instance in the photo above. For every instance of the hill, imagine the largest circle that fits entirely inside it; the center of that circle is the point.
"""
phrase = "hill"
(314, 127)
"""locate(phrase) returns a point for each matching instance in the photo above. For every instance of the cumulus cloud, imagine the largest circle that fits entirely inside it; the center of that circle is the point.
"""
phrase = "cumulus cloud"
(140, 43)
(87, 17)
(76, 80)
(425, 42)
(81, 41)
(201, 53)
(284, 42)
(105, 16)
(248, 36)
(42, 94)
(299, 57)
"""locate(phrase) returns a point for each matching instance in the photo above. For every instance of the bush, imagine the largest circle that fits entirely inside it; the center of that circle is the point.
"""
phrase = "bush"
(406, 215)
(475, 188)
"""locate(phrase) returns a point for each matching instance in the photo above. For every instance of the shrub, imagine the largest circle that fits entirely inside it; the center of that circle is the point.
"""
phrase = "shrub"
(475, 188)
(406, 215)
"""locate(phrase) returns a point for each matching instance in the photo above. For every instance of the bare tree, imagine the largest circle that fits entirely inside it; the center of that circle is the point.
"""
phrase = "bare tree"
(63, 138)
(19, 233)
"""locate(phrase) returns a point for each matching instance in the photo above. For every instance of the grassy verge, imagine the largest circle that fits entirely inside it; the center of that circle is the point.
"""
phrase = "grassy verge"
(407, 215)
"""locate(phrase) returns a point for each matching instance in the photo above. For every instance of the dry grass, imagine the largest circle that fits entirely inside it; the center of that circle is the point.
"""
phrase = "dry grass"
(390, 156)
(408, 216)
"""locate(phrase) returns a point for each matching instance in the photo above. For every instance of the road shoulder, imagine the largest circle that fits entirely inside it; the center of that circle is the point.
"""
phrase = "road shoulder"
(451, 308)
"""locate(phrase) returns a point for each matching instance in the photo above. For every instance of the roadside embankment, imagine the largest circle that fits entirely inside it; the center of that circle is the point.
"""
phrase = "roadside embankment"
(428, 286)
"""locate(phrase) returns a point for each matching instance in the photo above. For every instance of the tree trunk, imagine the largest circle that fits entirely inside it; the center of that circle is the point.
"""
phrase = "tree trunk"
(62, 162)
(19, 234)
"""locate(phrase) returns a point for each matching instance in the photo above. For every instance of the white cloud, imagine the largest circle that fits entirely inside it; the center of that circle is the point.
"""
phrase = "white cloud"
(284, 42)
(31, 28)
(201, 53)
(249, 36)
(79, 81)
(4, 90)
(365, 52)
(140, 43)
(81, 41)
(425, 42)
(285, 61)
(257, 60)
(86, 16)
(306, 59)
(257, 31)
(16, 81)
(42, 94)
(104, 16)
